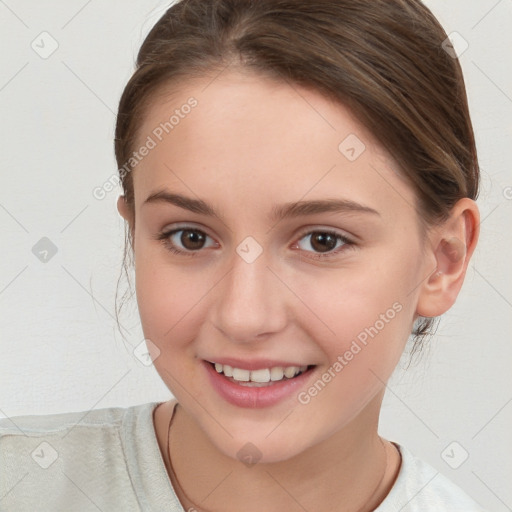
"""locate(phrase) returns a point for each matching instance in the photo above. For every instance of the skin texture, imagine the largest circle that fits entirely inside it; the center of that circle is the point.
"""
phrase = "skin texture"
(249, 144)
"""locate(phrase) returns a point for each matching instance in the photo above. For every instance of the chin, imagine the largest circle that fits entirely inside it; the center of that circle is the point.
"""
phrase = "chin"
(257, 449)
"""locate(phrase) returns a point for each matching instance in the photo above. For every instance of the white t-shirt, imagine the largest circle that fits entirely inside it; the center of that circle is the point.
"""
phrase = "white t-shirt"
(109, 460)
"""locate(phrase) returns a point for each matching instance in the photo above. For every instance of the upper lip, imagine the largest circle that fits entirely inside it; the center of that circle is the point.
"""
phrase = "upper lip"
(253, 364)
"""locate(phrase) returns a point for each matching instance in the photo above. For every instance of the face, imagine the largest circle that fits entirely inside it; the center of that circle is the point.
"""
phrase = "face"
(329, 290)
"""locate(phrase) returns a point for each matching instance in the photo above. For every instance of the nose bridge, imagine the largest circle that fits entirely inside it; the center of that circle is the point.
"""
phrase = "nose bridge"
(250, 301)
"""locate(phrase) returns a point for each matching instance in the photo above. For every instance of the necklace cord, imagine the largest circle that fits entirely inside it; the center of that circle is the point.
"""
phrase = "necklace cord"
(175, 478)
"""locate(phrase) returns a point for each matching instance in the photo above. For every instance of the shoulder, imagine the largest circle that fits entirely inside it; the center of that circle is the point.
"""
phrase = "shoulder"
(71, 456)
(33, 425)
(72, 430)
(421, 488)
(25, 430)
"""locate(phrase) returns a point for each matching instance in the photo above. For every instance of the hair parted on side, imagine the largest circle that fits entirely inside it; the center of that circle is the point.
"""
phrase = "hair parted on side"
(382, 59)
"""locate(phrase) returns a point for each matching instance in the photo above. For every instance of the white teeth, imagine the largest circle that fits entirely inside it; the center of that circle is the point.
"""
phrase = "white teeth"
(291, 371)
(276, 373)
(262, 376)
(242, 375)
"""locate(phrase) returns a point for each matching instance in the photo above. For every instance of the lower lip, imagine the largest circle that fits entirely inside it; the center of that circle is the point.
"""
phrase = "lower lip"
(255, 397)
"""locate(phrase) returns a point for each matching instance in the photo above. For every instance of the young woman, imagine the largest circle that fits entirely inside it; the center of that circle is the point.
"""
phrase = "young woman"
(299, 190)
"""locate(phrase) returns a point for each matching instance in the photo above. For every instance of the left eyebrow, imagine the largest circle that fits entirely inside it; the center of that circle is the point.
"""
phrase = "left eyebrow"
(300, 208)
(278, 212)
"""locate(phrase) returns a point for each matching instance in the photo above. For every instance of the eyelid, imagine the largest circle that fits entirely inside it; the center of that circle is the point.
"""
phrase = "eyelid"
(185, 225)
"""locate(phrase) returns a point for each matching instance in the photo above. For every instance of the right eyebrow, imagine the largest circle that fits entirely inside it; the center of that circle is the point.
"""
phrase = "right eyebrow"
(187, 203)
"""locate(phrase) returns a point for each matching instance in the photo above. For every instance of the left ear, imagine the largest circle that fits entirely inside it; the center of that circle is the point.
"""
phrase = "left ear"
(451, 244)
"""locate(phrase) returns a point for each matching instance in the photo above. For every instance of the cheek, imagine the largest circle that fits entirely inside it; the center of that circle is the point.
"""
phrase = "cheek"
(371, 323)
(171, 299)
(341, 304)
(168, 302)
(363, 319)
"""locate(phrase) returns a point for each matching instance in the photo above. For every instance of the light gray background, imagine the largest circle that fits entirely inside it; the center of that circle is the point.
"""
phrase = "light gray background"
(60, 349)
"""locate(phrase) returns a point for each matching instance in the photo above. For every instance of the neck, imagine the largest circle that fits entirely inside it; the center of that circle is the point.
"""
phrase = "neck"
(352, 471)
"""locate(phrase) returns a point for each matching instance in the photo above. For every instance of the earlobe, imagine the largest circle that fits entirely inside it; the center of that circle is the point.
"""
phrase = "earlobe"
(452, 245)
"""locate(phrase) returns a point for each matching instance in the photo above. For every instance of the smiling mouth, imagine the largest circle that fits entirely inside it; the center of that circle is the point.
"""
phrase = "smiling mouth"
(261, 377)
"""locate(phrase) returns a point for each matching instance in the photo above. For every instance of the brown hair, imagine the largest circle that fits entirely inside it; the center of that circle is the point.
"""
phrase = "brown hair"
(383, 59)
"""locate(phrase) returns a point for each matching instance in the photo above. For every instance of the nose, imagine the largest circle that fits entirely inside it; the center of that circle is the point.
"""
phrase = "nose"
(250, 303)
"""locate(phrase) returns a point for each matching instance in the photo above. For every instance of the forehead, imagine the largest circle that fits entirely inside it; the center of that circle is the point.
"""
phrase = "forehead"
(261, 139)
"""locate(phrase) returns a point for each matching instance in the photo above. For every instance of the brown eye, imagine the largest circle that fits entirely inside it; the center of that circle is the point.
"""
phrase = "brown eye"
(185, 241)
(323, 242)
(192, 239)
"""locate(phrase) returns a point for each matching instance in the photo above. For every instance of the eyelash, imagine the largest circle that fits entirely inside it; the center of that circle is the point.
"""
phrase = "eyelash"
(164, 237)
